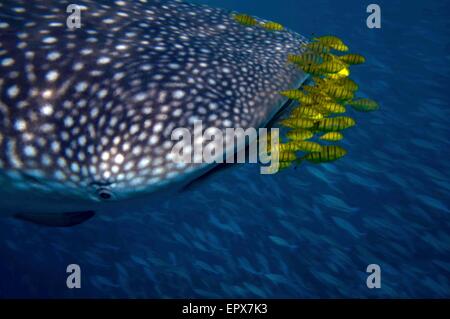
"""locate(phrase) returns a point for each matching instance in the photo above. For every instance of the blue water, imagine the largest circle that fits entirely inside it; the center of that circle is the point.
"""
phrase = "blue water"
(306, 233)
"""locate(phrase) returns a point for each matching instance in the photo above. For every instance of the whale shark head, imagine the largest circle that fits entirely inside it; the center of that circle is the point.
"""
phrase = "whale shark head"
(86, 114)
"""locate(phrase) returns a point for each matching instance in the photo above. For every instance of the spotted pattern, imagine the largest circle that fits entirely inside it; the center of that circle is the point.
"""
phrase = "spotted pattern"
(97, 105)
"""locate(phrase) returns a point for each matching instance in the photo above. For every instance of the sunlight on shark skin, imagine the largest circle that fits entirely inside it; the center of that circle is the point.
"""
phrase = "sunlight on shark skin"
(87, 114)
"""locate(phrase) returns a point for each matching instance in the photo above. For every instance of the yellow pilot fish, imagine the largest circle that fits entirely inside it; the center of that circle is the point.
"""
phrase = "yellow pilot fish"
(272, 26)
(346, 83)
(317, 47)
(245, 19)
(364, 105)
(332, 67)
(338, 92)
(331, 107)
(321, 98)
(335, 124)
(299, 135)
(332, 136)
(297, 146)
(298, 123)
(307, 113)
(306, 59)
(306, 146)
(312, 69)
(332, 42)
(328, 153)
(352, 59)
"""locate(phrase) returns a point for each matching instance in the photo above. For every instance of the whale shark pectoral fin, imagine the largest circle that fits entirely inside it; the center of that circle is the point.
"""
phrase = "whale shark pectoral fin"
(57, 220)
(199, 180)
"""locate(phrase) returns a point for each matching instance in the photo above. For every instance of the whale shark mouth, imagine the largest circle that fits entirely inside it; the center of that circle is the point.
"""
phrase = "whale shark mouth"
(67, 219)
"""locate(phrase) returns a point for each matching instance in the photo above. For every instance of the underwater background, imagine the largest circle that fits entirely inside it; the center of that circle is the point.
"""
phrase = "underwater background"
(304, 233)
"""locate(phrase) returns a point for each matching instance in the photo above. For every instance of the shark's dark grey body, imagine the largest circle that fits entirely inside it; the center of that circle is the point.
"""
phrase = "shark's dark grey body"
(95, 107)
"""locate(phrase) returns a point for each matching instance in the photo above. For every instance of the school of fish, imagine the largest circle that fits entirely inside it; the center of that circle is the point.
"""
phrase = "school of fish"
(317, 113)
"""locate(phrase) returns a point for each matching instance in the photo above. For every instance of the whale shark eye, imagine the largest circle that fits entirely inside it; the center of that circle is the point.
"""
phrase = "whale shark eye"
(104, 194)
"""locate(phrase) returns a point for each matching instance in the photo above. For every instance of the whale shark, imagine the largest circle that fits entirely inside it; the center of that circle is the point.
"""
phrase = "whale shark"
(86, 112)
